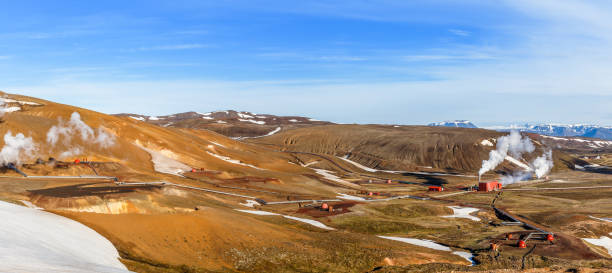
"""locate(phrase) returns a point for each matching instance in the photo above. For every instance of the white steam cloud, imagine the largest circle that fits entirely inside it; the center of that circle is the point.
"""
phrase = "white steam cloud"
(75, 127)
(16, 148)
(543, 164)
(515, 145)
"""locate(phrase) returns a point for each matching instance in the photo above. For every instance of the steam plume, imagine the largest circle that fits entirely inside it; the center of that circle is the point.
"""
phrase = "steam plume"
(76, 127)
(515, 144)
(16, 148)
(543, 164)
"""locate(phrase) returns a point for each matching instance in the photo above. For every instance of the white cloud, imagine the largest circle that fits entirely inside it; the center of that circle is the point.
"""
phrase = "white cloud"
(174, 47)
(459, 32)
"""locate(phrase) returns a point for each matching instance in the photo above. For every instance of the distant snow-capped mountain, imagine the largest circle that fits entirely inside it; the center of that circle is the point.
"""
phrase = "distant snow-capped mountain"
(561, 130)
(454, 123)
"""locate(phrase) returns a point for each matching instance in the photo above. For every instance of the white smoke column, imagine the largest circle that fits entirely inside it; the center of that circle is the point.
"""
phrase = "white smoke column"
(543, 164)
(16, 148)
(71, 152)
(104, 139)
(515, 144)
(77, 124)
(59, 131)
(67, 131)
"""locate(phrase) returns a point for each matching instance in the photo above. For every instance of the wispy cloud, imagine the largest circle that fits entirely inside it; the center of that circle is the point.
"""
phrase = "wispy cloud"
(460, 32)
(174, 47)
(5, 57)
(312, 57)
(429, 58)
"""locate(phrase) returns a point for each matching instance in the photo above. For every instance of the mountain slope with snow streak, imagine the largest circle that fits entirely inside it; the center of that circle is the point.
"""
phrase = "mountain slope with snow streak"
(230, 123)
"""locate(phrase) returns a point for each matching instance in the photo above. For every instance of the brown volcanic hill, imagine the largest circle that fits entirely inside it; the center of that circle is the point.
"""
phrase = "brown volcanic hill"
(142, 149)
(396, 147)
(230, 123)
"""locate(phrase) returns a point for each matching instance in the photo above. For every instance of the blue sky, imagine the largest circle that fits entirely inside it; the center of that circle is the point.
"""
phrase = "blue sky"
(349, 61)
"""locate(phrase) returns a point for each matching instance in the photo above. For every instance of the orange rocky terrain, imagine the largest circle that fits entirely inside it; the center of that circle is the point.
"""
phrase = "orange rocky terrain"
(317, 198)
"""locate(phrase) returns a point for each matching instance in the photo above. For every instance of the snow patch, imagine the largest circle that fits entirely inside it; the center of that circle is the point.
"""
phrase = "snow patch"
(310, 222)
(349, 197)
(244, 116)
(253, 121)
(38, 241)
(431, 244)
(138, 118)
(30, 205)
(602, 219)
(293, 120)
(257, 212)
(328, 175)
(303, 220)
(218, 144)
(6, 100)
(154, 118)
(463, 212)
(233, 161)
(164, 162)
(603, 241)
(419, 242)
(486, 142)
(345, 158)
(250, 203)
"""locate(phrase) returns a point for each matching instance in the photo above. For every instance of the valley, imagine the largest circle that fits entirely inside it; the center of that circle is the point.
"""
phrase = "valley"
(316, 197)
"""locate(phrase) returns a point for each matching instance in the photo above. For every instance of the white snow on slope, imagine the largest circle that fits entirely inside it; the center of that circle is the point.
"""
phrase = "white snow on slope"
(345, 158)
(260, 122)
(349, 197)
(39, 241)
(486, 142)
(138, 118)
(273, 131)
(233, 161)
(250, 203)
(268, 134)
(303, 220)
(518, 163)
(6, 100)
(244, 116)
(419, 242)
(431, 244)
(310, 222)
(293, 120)
(209, 118)
(30, 205)
(218, 144)
(328, 175)
(310, 163)
(164, 163)
(602, 219)
(603, 241)
(463, 212)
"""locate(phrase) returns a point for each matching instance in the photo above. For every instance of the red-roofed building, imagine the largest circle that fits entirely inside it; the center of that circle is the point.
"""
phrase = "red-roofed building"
(489, 186)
